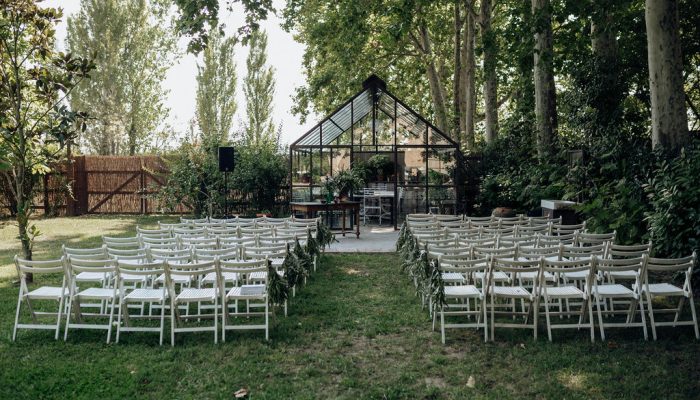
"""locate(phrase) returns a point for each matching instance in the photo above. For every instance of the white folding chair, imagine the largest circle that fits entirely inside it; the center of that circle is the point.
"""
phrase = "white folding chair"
(513, 293)
(560, 292)
(658, 288)
(152, 296)
(247, 292)
(469, 290)
(106, 296)
(187, 296)
(54, 293)
(615, 291)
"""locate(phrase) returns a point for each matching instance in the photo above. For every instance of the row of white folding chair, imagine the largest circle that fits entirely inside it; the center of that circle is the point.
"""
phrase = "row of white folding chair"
(69, 296)
(591, 290)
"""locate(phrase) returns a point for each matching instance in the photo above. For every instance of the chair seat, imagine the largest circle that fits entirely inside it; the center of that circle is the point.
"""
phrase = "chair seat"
(613, 290)
(227, 277)
(146, 295)
(277, 262)
(498, 276)
(133, 278)
(575, 275)
(531, 276)
(47, 292)
(664, 289)
(191, 294)
(462, 291)
(452, 277)
(178, 279)
(511, 291)
(97, 293)
(91, 276)
(631, 275)
(563, 292)
(247, 291)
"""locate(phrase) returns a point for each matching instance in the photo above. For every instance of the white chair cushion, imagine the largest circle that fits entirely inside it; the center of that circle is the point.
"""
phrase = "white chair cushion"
(664, 289)
(91, 276)
(179, 279)
(613, 290)
(247, 291)
(498, 276)
(462, 291)
(191, 294)
(623, 274)
(575, 276)
(97, 293)
(563, 291)
(452, 277)
(47, 292)
(146, 295)
(511, 291)
(227, 276)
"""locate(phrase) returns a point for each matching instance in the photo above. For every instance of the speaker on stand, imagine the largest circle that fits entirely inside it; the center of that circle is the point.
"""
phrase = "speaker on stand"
(227, 162)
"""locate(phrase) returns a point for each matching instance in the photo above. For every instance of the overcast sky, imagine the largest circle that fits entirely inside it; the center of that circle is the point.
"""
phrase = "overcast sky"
(284, 55)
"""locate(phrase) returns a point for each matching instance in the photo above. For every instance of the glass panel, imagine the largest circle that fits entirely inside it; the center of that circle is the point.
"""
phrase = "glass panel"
(326, 161)
(441, 164)
(301, 170)
(384, 129)
(411, 165)
(341, 160)
(441, 200)
(315, 166)
(411, 200)
(435, 137)
(301, 194)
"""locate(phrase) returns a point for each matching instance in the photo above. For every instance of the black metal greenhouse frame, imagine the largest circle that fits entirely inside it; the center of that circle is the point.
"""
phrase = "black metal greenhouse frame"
(376, 88)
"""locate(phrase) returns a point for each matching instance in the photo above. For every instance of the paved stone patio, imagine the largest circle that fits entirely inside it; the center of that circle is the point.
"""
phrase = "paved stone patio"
(373, 239)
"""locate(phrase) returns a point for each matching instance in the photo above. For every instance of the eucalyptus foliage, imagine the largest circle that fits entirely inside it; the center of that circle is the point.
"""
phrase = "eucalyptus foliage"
(277, 289)
(324, 235)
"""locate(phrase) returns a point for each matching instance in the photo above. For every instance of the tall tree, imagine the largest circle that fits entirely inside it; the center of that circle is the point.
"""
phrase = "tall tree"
(468, 77)
(489, 43)
(545, 92)
(35, 123)
(216, 91)
(259, 89)
(669, 120)
(134, 47)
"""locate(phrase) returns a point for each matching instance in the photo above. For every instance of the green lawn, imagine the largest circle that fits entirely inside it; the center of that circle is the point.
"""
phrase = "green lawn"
(355, 331)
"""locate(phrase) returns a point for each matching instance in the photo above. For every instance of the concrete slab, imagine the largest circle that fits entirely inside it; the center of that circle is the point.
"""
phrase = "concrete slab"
(373, 239)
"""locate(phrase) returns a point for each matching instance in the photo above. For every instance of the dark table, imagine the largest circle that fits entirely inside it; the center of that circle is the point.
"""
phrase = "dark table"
(310, 208)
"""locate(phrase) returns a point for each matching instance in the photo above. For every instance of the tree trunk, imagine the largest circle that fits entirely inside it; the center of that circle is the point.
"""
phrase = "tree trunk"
(545, 92)
(456, 81)
(436, 92)
(132, 139)
(468, 80)
(490, 79)
(606, 96)
(669, 121)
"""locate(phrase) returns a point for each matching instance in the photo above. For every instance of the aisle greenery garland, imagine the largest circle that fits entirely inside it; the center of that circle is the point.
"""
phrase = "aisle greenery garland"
(277, 288)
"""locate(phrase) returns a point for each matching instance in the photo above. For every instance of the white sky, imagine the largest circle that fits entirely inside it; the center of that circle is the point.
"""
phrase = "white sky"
(284, 55)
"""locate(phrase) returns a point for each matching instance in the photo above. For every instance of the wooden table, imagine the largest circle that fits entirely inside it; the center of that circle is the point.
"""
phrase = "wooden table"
(310, 208)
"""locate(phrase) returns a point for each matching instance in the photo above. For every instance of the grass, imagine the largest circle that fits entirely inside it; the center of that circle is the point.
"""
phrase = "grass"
(355, 331)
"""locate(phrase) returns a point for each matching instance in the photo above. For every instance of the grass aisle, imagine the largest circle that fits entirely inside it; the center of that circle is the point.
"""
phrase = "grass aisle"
(355, 331)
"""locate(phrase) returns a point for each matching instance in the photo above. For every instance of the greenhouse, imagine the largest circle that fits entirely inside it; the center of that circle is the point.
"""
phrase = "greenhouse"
(408, 165)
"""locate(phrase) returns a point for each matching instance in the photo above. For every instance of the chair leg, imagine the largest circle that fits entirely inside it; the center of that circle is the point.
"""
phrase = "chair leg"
(546, 314)
(58, 319)
(644, 319)
(119, 318)
(111, 318)
(442, 324)
(216, 320)
(267, 320)
(650, 308)
(590, 319)
(493, 321)
(70, 307)
(19, 305)
(678, 311)
(483, 306)
(600, 318)
(535, 306)
(173, 307)
(695, 318)
(162, 320)
(224, 314)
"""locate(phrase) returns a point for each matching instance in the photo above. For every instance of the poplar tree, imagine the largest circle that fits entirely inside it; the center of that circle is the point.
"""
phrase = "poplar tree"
(259, 89)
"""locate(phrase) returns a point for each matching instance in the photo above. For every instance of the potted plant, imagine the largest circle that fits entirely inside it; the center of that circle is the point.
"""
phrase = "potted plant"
(347, 181)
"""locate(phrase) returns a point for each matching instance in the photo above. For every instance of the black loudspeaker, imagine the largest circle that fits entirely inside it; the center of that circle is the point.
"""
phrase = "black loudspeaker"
(227, 160)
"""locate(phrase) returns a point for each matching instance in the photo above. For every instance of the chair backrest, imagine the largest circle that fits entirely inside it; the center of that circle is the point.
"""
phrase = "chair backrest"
(530, 230)
(193, 220)
(463, 232)
(576, 252)
(448, 218)
(189, 269)
(121, 242)
(481, 242)
(227, 253)
(177, 258)
(435, 251)
(190, 231)
(78, 265)
(557, 267)
(555, 240)
(244, 267)
(544, 220)
(199, 242)
(228, 241)
(664, 265)
(514, 268)
(170, 227)
(416, 225)
(449, 240)
(158, 254)
(534, 253)
(510, 241)
(153, 233)
(503, 252)
(466, 266)
(637, 264)
(262, 252)
(159, 242)
(37, 267)
(457, 224)
(586, 239)
(561, 229)
(88, 251)
(120, 253)
(224, 230)
(628, 251)
(498, 231)
(255, 231)
(145, 270)
(476, 222)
